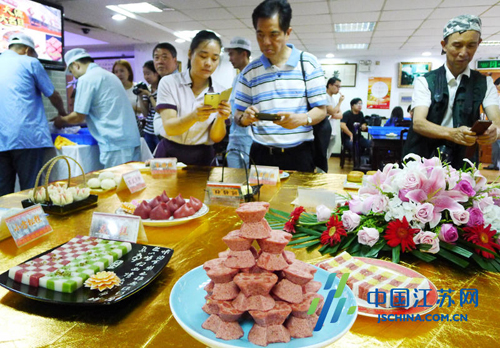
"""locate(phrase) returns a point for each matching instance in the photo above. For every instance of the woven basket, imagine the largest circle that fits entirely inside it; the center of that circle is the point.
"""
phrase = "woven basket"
(50, 208)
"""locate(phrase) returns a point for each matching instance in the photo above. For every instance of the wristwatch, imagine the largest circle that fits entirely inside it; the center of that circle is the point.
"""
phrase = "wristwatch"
(309, 119)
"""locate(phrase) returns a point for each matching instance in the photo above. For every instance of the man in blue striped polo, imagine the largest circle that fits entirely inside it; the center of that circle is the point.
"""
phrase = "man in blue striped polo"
(275, 84)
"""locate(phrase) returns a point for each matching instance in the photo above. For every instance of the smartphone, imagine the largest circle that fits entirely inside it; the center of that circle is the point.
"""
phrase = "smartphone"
(267, 117)
(212, 99)
(481, 126)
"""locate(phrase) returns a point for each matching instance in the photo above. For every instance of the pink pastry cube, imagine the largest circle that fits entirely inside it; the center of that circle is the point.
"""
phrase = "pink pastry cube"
(255, 230)
(218, 272)
(271, 262)
(275, 316)
(240, 259)
(255, 283)
(256, 302)
(236, 242)
(288, 291)
(276, 242)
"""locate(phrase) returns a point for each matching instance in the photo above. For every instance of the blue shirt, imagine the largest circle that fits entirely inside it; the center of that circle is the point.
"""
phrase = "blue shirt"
(273, 89)
(111, 120)
(22, 116)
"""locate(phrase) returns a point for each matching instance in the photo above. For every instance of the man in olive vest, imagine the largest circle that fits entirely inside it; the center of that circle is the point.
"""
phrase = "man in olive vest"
(446, 101)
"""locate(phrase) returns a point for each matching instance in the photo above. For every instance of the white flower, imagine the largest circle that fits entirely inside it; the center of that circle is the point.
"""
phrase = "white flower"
(323, 213)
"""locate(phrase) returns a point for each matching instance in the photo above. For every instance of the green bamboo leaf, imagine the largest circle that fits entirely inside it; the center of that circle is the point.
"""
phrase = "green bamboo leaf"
(354, 249)
(375, 249)
(456, 249)
(299, 235)
(280, 213)
(495, 264)
(423, 256)
(481, 262)
(310, 231)
(395, 253)
(302, 240)
(424, 246)
(322, 250)
(475, 246)
(349, 240)
(305, 245)
(332, 249)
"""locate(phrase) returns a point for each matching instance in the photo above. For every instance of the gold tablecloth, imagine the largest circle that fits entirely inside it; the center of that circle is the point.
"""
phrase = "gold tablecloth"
(145, 319)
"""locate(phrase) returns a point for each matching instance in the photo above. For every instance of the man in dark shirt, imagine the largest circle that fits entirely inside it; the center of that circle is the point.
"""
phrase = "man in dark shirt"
(347, 125)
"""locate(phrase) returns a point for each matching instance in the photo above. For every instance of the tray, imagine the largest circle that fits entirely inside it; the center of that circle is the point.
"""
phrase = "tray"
(86, 203)
(132, 281)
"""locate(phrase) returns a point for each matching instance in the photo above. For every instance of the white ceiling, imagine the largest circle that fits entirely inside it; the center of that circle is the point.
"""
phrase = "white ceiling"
(402, 26)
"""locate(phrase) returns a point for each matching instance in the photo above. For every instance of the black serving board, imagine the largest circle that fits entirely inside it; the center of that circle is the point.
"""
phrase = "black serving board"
(136, 270)
(88, 202)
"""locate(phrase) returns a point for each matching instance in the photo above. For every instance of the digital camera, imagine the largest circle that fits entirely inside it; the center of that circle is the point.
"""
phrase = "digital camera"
(138, 87)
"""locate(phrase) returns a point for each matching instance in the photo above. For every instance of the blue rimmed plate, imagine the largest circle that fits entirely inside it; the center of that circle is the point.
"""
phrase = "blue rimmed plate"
(187, 298)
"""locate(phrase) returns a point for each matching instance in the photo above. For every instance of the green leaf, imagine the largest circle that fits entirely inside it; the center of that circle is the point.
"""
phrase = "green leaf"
(424, 246)
(305, 245)
(310, 232)
(299, 235)
(302, 240)
(495, 264)
(349, 240)
(475, 246)
(331, 249)
(355, 248)
(423, 256)
(375, 249)
(395, 253)
(456, 249)
(481, 262)
(322, 250)
(280, 213)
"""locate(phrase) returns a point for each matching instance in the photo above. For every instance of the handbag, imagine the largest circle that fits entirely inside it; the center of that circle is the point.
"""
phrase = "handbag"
(322, 132)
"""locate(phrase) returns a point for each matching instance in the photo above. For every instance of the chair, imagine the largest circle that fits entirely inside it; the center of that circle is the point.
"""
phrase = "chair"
(354, 154)
(344, 151)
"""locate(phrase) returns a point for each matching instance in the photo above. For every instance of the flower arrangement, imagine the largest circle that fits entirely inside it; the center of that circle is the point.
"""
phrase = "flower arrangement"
(426, 208)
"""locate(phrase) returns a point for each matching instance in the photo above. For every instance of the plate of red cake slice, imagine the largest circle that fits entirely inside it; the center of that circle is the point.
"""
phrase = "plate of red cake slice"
(383, 287)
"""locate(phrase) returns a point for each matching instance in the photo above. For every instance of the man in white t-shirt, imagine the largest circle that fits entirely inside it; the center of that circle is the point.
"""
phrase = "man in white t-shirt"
(335, 99)
(446, 101)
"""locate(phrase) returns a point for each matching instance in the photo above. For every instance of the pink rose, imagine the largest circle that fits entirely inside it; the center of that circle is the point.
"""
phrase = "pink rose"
(427, 237)
(350, 220)
(460, 217)
(379, 204)
(424, 213)
(465, 187)
(368, 236)
(475, 217)
(402, 195)
(323, 213)
(448, 233)
(411, 181)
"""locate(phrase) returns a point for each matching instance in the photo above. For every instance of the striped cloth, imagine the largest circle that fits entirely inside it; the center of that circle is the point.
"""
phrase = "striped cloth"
(149, 128)
(272, 89)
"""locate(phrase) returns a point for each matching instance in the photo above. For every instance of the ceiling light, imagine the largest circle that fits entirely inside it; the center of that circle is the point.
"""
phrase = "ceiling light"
(426, 54)
(140, 7)
(186, 35)
(490, 43)
(121, 11)
(180, 40)
(330, 55)
(353, 27)
(119, 17)
(352, 46)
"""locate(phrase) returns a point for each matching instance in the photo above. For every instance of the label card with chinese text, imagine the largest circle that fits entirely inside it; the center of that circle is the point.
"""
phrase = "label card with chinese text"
(161, 166)
(223, 193)
(28, 225)
(310, 198)
(267, 175)
(126, 228)
(133, 181)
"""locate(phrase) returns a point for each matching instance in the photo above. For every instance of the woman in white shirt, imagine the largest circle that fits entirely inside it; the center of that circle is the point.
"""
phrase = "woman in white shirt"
(191, 128)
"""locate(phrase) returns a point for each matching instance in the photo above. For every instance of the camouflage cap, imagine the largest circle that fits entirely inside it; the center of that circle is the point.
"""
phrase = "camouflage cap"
(462, 23)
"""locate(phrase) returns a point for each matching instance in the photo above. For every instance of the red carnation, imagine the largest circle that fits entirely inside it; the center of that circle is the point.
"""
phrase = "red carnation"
(482, 236)
(334, 231)
(399, 232)
(294, 217)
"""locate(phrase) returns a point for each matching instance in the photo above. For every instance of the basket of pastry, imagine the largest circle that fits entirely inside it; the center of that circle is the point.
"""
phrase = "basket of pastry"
(60, 198)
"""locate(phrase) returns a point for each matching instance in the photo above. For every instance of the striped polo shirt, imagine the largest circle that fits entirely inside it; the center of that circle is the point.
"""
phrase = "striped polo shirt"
(272, 89)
